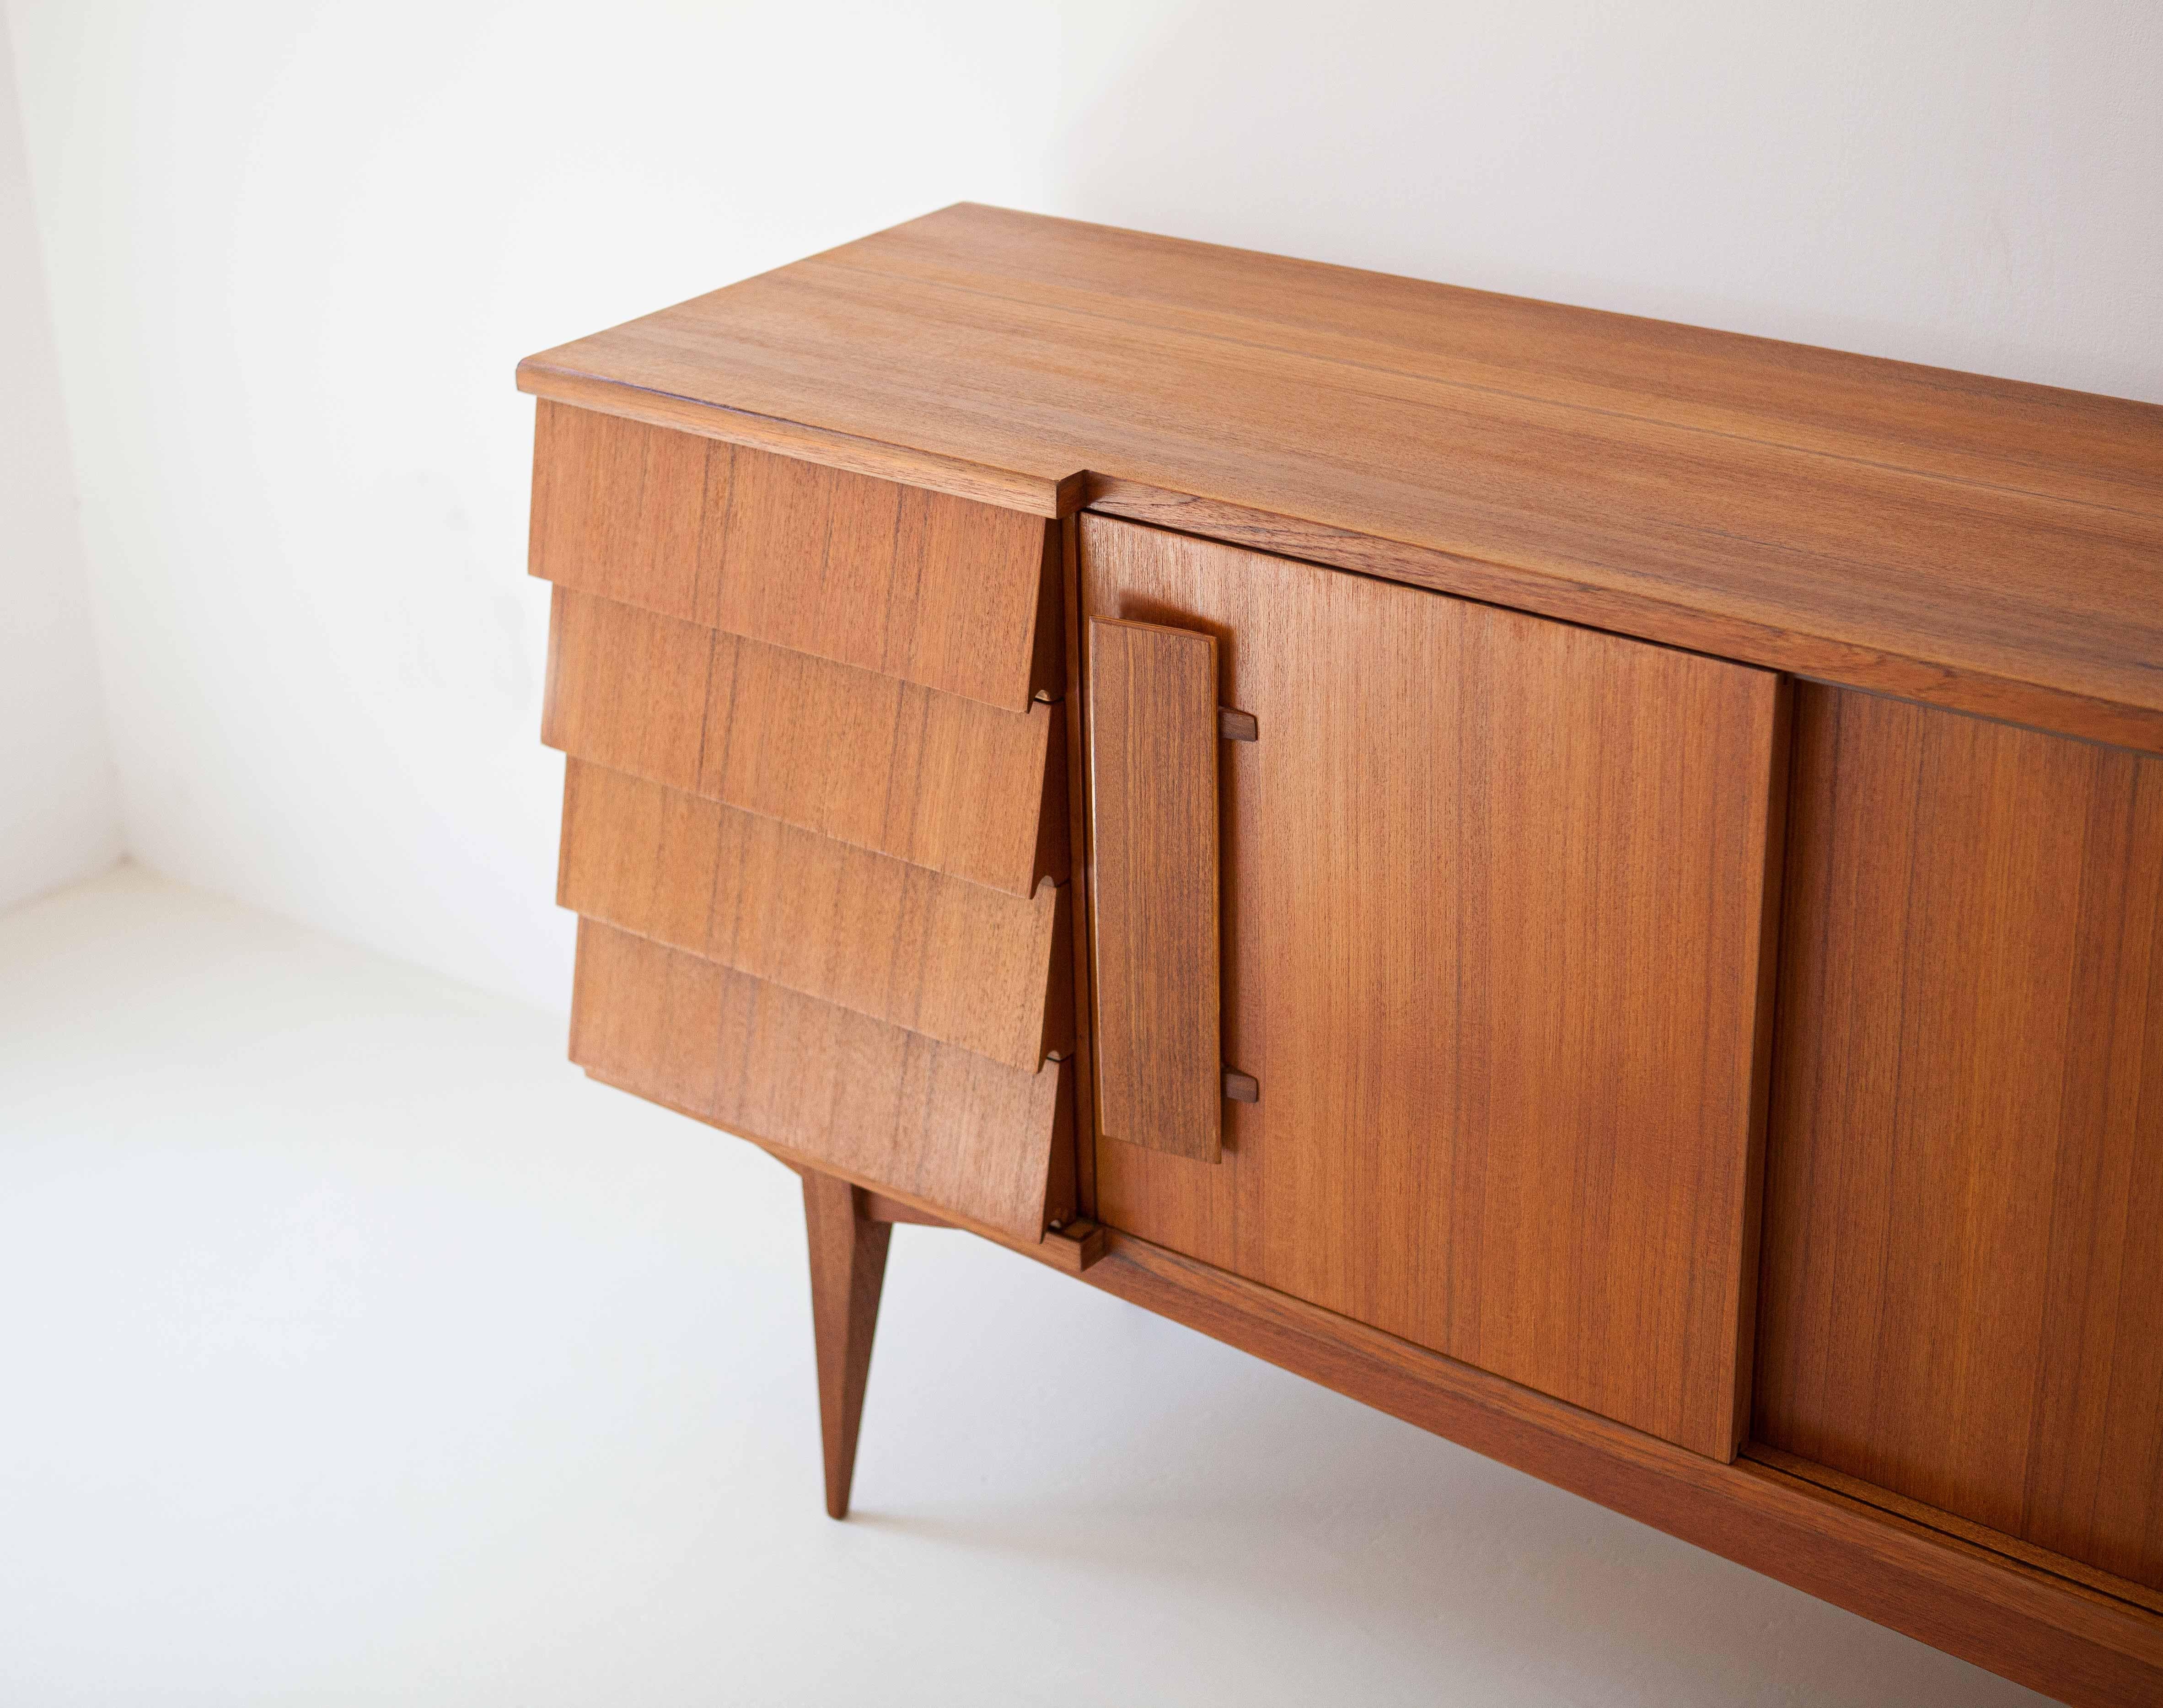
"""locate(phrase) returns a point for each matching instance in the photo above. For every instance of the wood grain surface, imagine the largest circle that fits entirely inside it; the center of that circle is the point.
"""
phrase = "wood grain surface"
(933, 588)
(2061, 1637)
(848, 1251)
(898, 1111)
(930, 953)
(1494, 903)
(1974, 542)
(1152, 712)
(1963, 1279)
(932, 778)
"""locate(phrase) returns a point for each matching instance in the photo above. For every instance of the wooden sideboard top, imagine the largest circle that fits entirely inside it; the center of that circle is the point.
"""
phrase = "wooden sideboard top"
(1976, 543)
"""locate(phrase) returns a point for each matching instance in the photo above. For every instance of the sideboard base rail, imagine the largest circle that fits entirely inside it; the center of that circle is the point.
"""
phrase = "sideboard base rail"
(2062, 1638)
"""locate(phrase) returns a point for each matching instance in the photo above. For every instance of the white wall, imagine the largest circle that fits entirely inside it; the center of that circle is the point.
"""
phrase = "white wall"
(296, 249)
(59, 809)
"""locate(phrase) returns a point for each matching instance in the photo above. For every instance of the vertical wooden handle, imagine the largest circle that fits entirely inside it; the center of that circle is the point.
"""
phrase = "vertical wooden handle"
(1153, 734)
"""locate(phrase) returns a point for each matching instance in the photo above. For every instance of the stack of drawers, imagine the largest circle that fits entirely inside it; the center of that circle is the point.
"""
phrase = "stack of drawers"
(815, 817)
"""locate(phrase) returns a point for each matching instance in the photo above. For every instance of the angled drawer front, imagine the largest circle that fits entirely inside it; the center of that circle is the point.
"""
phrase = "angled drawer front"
(939, 781)
(1493, 905)
(943, 592)
(952, 960)
(815, 815)
(871, 1100)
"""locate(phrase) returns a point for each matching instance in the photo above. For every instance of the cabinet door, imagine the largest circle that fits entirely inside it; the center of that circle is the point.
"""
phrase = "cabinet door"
(1964, 1199)
(1493, 904)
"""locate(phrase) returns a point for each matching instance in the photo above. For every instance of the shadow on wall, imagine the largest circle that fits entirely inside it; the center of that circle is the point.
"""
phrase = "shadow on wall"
(59, 809)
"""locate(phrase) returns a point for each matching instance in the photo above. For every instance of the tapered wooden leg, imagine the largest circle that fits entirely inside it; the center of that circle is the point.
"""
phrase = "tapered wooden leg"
(848, 1267)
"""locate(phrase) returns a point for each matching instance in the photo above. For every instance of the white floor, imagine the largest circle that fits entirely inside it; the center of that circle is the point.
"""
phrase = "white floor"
(356, 1350)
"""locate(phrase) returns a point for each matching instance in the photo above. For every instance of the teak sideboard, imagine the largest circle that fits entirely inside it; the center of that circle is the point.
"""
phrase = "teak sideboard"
(1595, 885)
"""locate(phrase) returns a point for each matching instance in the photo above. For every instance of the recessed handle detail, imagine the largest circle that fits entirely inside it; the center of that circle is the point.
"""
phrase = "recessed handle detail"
(1154, 727)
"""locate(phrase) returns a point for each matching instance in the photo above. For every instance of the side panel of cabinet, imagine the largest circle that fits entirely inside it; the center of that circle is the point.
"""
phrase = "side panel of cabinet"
(1494, 897)
(1963, 1278)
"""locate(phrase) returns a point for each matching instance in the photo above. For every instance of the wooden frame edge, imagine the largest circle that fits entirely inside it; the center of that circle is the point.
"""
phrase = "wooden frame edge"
(1936, 1518)
(1038, 495)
